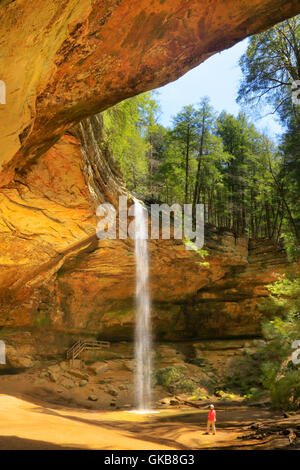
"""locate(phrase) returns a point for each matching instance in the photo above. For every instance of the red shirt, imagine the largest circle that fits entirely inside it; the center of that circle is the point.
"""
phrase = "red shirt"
(212, 415)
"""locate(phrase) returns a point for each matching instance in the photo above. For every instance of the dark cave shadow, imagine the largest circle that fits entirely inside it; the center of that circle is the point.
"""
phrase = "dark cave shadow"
(135, 430)
(225, 417)
(20, 443)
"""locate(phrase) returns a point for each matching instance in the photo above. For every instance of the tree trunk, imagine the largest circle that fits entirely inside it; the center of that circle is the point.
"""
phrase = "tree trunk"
(187, 157)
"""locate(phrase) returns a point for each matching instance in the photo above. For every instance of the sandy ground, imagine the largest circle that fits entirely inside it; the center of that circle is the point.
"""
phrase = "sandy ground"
(28, 425)
(36, 413)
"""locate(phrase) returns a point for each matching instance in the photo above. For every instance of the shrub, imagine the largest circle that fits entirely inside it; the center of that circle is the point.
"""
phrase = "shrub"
(174, 380)
(278, 374)
(168, 376)
(285, 393)
(186, 385)
(199, 394)
(244, 375)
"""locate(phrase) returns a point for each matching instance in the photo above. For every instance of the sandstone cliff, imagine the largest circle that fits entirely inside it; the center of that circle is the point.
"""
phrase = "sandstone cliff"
(57, 275)
(62, 61)
(65, 61)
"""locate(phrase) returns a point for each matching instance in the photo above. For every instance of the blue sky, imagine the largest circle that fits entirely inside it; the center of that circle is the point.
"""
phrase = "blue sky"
(218, 78)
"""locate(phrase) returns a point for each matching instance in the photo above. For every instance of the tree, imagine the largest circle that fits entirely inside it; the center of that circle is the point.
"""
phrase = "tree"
(222, 162)
(205, 122)
(270, 65)
(127, 126)
(185, 133)
(158, 140)
(235, 133)
(279, 374)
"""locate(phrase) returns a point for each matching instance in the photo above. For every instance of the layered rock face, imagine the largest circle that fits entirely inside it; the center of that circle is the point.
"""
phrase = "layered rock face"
(62, 61)
(57, 275)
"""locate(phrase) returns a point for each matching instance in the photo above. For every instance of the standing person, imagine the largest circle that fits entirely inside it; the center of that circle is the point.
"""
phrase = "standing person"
(211, 421)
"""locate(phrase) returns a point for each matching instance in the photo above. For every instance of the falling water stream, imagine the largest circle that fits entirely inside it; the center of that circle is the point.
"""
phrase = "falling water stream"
(143, 312)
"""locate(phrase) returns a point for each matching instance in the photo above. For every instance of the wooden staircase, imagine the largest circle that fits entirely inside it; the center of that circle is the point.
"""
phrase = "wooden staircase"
(80, 346)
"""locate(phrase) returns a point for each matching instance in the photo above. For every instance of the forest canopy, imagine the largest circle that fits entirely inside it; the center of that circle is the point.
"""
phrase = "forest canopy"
(247, 183)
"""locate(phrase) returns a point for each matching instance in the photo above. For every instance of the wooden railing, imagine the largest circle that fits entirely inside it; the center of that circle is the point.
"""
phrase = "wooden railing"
(80, 346)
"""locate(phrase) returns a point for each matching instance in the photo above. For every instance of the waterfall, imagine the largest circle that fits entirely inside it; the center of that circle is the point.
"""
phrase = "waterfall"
(143, 311)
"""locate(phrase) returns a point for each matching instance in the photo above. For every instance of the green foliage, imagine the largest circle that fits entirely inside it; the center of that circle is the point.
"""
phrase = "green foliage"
(278, 373)
(229, 171)
(186, 385)
(225, 395)
(221, 161)
(174, 380)
(168, 376)
(246, 183)
(192, 246)
(198, 394)
(270, 64)
(206, 383)
(244, 375)
(126, 126)
(284, 300)
(41, 320)
(285, 393)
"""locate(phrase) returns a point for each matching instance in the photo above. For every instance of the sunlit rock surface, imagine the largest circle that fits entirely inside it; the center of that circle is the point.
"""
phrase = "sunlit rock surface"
(66, 60)
(56, 274)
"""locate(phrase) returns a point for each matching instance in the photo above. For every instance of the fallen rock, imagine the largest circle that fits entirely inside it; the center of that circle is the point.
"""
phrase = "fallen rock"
(174, 402)
(16, 359)
(113, 392)
(98, 368)
(249, 351)
(64, 366)
(129, 365)
(44, 374)
(67, 376)
(53, 376)
(165, 401)
(169, 355)
(40, 382)
(92, 397)
(67, 383)
(292, 437)
(78, 374)
(55, 369)
(123, 387)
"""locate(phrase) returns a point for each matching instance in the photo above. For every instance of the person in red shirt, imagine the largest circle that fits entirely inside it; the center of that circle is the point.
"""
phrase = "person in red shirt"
(211, 421)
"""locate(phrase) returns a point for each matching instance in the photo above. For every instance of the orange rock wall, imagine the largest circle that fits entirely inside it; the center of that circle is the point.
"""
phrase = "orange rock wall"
(65, 60)
(56, 274)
